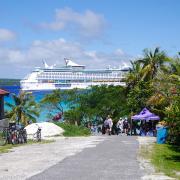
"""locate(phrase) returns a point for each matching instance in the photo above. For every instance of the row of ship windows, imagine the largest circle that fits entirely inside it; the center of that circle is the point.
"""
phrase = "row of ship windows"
(80, 74)
(76, 81)
(80, 79)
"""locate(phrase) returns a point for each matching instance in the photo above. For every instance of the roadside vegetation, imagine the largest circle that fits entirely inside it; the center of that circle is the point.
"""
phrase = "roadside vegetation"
(71, 130)
(166, 159)
(23, 109)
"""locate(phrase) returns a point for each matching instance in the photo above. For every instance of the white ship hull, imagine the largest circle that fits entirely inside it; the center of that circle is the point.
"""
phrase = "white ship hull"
(52, 86)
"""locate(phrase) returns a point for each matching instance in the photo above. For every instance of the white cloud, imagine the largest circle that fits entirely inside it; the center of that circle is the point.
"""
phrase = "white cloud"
(119, 52)
(6, 35)
(88, 24)
(54, 52)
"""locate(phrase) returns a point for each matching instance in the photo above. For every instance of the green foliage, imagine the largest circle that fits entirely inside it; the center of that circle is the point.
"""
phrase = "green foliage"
(165, 158)
(172, 113)
(96, 103)
(151, 62)
(23, 109)
(73, 130)
(138, 96)
(167, 101)
(53, 102)
(154, 81)
(73, 116)
(135, 75)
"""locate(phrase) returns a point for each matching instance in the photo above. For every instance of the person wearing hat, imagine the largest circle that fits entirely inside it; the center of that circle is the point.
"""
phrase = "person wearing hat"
(119, 126)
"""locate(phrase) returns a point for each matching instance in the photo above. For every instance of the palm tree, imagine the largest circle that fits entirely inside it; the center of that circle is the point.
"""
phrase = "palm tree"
(53, 102)
(175, 67)
(23, 109)
(152, 61)
(134, 76)
(166, 85)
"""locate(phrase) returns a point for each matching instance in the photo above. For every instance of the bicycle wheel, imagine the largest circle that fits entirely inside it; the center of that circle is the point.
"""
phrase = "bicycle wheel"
(14, 138)
(25, 136)
(3, 138)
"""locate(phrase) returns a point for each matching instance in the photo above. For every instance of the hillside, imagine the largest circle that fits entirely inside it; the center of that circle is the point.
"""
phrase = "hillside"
(9, 82)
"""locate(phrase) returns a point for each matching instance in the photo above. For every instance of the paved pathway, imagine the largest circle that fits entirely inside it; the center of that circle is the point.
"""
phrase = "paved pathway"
(28, 160)
(113, 159)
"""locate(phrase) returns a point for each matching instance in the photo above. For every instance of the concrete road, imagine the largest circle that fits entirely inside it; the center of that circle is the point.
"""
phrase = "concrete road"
(115, 158)
(28, 160)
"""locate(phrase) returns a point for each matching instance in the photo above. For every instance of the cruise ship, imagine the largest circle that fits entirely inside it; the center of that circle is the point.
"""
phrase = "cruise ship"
(71, 76)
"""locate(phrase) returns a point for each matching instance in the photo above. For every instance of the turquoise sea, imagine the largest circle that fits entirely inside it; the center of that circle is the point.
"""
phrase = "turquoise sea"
(38, 95)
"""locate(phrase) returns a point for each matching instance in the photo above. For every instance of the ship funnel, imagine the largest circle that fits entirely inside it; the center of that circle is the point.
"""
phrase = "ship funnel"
(71, 63)
(45, 64)
(66, 61)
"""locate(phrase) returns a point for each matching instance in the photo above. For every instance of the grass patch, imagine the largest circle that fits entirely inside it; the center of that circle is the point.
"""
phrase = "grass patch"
(73, 130)
(166, 159)
(6, 148)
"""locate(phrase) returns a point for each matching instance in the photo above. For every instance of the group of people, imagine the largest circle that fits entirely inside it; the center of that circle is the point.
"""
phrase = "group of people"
(144, 128)
(122, 126)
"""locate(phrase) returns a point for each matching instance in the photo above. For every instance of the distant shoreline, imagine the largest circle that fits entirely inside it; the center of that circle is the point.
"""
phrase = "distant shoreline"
(9, 82)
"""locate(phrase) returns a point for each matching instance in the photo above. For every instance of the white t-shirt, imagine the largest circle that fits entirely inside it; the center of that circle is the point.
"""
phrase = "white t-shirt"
(110, 122)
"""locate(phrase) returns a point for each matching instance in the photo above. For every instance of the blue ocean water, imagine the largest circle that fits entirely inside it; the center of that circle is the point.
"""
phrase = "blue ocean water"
(38, 95)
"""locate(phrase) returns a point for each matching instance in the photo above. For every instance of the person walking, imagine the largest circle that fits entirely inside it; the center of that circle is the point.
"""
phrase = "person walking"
(106, 126)
(126, 126)
(110, 123)
(119, 128)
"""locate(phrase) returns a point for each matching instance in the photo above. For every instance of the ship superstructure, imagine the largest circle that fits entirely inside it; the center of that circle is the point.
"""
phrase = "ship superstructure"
(71, 76)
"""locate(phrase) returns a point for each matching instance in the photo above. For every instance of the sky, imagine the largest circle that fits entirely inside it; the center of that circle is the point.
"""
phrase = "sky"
(95, 33)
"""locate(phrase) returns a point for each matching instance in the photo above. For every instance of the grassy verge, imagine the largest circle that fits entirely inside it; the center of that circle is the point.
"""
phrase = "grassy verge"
(6, 148)
(166, 158)
(72, 130)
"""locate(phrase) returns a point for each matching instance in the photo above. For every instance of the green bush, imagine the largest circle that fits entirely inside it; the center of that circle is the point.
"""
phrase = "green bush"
(73, 130)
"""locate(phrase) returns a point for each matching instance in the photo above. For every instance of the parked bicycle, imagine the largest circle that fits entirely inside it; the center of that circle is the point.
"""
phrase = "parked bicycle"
(37, 135)
(12, 135)
(4, 134)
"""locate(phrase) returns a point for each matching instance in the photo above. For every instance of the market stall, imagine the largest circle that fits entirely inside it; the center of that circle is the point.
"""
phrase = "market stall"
(144, 123)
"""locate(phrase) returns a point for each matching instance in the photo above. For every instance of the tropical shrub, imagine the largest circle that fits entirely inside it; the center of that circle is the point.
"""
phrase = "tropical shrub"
(73, 130)
(23, 109)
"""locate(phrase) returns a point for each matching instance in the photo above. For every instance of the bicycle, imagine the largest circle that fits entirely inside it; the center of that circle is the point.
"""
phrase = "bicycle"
(5, 136)
(2, 137)
(12, 135)
(37, 135)
(22, 136)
